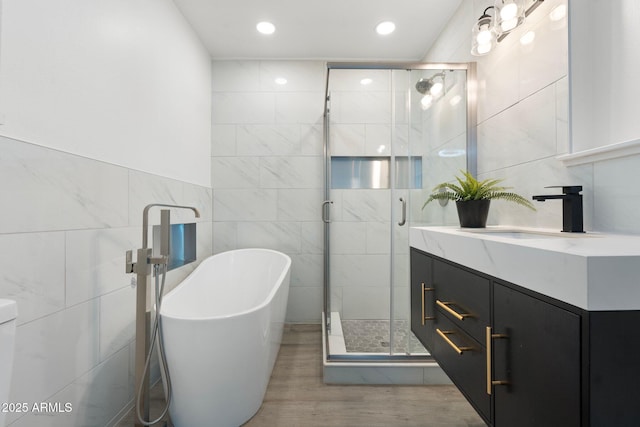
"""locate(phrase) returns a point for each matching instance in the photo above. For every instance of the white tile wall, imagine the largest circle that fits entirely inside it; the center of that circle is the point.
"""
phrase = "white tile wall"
(33, 273)
(66, 224)
(615, 194)
(53, 191)
(94, 260)
(267, 171)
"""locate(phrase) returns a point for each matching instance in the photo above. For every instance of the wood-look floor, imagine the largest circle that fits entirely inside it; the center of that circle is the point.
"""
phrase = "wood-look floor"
(297, 397)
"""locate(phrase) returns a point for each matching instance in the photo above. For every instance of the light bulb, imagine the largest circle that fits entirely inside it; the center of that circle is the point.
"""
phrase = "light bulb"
(509, 11)
(366, 81)
(484, 48)
(281, 81)
(484, 36)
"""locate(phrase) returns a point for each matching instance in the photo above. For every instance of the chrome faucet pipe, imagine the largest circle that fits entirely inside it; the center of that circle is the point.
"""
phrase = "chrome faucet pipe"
(145, 219)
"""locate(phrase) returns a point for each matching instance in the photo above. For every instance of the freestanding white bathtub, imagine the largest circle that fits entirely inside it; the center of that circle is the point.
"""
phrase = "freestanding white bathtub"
(222, 328)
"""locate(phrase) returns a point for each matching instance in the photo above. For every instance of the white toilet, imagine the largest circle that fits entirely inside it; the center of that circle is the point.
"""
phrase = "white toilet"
(8, 314)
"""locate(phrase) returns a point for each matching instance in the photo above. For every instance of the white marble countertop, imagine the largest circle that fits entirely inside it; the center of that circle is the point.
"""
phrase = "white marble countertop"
(592, 271)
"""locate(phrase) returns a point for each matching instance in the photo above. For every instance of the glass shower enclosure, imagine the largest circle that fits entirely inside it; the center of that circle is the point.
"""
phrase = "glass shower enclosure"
(391, 133)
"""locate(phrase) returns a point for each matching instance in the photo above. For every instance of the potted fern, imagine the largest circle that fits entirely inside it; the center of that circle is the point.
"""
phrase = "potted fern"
(473, 198)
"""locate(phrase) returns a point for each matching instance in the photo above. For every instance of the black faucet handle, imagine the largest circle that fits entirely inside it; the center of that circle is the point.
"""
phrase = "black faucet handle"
(568, 189)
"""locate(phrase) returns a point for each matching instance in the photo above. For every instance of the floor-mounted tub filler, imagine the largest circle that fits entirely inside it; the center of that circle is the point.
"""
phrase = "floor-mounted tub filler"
(222, 329)
(172, 248)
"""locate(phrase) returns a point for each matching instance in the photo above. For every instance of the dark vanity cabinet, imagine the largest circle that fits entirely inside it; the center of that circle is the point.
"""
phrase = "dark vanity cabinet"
(521, 358)
(536, 354)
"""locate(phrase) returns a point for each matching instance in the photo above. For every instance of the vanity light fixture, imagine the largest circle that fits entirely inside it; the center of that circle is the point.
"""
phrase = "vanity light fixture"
(265, 27)
(366, 81)
(281, 81)
(506, 16)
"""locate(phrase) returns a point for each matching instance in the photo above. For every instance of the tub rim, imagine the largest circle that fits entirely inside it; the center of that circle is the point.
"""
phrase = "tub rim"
(260, 306)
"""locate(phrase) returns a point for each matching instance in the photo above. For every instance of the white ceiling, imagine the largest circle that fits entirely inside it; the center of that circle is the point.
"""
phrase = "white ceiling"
(318, 29)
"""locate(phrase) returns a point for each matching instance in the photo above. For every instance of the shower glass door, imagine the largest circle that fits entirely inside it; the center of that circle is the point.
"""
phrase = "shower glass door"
(381, 153)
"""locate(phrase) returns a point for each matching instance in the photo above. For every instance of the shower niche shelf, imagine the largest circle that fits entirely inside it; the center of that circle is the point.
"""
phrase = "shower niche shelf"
(182, 241)
(374, 172)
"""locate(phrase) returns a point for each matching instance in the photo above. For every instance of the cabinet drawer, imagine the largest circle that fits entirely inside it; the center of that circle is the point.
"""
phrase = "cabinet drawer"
(463, 296)
(464, 361)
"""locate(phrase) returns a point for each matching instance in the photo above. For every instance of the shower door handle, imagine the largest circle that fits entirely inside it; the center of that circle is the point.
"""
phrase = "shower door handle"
(324, 204)
(404, 212)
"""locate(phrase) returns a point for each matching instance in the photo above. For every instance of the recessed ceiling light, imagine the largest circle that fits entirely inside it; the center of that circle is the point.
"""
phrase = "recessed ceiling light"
(386, 27)
(281, 81)
(266, 27)
(366, 81)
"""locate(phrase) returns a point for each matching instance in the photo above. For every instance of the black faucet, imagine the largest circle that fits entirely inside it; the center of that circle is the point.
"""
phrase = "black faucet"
(571, 206)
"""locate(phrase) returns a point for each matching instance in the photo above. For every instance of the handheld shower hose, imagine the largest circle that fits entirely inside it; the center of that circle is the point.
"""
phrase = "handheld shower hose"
(156, 333)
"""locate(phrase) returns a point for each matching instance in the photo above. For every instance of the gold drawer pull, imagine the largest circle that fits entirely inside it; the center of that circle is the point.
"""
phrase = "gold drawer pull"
(445, 306)
(444, 336)
(424, 318)
(490, 381)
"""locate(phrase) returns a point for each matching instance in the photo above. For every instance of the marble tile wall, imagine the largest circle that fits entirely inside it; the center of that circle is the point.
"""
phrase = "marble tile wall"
(267, 168)
(65, 225)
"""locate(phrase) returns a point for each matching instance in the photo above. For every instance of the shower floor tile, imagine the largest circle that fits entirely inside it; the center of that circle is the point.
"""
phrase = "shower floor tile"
(372, 336)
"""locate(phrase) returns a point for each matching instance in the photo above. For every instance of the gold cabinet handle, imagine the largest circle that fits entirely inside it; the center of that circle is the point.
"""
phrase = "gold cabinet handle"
(424, 317)
(445, 307)
(444, 336)
(489, 338)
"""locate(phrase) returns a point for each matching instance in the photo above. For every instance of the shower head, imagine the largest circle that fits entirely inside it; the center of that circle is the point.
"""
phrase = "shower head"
(424, 85)
(432, 85)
